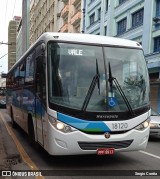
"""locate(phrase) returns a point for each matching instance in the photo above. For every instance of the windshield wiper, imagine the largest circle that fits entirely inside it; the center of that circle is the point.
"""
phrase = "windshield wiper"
(112, 79)
(91, 88)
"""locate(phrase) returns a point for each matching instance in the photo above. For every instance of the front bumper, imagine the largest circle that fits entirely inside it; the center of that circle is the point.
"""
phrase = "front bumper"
(77, 142)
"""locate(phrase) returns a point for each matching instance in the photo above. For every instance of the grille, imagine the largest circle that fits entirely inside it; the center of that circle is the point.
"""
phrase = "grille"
(100, 133)
(96, 145)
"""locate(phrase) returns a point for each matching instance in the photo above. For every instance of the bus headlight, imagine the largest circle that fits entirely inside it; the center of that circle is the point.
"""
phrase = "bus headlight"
(60, 125)
(143, 125)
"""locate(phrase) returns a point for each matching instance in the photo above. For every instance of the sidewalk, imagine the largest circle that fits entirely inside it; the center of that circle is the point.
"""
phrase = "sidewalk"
(10, 158)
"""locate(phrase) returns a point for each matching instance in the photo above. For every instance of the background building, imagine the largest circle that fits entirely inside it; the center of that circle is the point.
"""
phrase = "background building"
(54, 16)
(69, 15)
(43, 18)
(12, 35)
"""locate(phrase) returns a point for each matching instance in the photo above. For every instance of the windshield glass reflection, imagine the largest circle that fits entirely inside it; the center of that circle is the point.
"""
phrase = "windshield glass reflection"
(72, 68)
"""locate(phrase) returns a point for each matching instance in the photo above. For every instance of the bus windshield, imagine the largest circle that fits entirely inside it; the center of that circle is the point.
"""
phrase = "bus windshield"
(72, 68)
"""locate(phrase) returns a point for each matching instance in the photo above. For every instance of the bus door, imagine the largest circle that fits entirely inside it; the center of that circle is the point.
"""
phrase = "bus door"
(40, 104)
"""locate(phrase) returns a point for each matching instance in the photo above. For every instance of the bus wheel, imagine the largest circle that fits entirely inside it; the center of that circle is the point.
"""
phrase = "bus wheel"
(31, 135)
(14, 124)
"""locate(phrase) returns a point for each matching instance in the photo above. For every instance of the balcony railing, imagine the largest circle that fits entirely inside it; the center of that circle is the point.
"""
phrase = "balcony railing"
(65, 11)
(74, 2)
(76, 18)
(64, 28)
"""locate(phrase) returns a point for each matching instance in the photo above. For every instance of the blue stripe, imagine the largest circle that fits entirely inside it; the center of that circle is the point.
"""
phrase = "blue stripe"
(81, 124)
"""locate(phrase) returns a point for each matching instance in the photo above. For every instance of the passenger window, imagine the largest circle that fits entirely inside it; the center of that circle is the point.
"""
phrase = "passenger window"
(40, 79)
(29, 69)
(21, 73)
(16, 77)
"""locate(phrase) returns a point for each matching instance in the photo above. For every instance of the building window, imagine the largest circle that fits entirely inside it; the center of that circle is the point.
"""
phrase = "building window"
(91, 1)
(121, 26)
(137, 18)
(92, 18)
(105, 30)
(157, 44)
(121, 1)
(99, 14)
(157, 8)
(106, 5)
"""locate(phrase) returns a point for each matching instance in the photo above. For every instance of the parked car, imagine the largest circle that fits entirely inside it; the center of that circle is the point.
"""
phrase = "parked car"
(2, 103)
(154, 123)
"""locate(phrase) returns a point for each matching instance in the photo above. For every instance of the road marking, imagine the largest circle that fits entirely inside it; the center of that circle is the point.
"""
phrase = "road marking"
(152, 155)
(21, 150)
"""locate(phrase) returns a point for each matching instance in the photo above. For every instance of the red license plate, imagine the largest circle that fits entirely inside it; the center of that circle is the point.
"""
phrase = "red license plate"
(105, 151)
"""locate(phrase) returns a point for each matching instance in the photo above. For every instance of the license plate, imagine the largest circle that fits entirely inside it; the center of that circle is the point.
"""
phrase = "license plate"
(105, 151)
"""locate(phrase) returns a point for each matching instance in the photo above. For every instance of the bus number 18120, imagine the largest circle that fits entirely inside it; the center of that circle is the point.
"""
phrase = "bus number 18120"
(119, 126)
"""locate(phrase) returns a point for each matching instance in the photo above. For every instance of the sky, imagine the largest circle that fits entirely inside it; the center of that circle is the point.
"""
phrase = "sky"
(8, 9)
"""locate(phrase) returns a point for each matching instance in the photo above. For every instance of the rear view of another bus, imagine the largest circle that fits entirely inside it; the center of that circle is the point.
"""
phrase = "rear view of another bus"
(98, 95)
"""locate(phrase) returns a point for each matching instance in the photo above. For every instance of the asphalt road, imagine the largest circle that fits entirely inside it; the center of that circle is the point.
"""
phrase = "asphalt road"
(135, 163)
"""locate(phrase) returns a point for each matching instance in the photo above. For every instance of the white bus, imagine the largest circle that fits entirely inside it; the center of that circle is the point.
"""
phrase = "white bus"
(81, 94)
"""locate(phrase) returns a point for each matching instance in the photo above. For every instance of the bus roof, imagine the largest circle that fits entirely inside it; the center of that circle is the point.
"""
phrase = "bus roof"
(89, 38)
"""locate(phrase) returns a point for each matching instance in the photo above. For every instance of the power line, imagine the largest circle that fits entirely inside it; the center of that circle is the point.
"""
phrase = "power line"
(4, 55)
